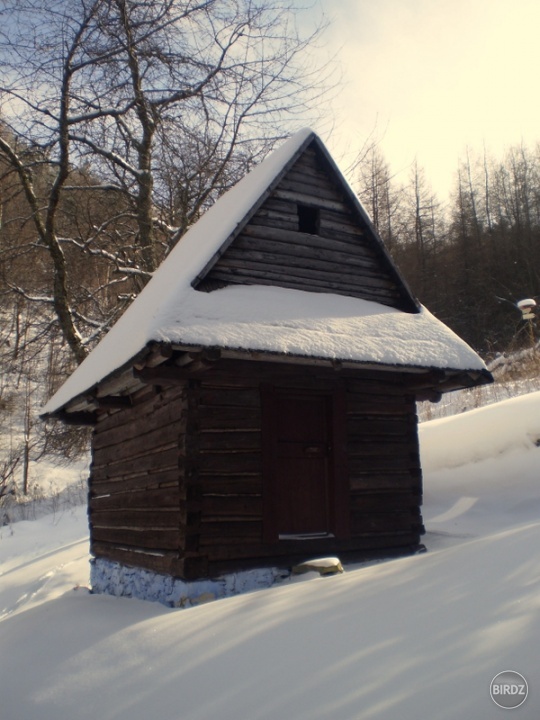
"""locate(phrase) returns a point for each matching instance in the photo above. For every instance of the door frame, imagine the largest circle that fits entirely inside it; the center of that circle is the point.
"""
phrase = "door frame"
(338, 481)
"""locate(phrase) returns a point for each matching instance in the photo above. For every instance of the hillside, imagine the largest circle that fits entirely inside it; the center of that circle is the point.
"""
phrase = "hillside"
(415, 637)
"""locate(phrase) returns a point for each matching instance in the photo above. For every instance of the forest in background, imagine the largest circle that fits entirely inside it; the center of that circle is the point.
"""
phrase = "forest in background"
(472, 257)
(122, 121)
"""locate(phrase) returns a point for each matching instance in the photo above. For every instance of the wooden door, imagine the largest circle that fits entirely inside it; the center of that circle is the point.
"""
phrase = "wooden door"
(299, 433)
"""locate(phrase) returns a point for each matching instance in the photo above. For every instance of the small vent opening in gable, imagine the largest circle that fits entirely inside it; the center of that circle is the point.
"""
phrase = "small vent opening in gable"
(308, 219)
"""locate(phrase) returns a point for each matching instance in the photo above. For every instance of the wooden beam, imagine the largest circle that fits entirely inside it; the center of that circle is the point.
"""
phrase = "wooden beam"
(76, 418)
(159, 353)
(111, 401)
(196, 362)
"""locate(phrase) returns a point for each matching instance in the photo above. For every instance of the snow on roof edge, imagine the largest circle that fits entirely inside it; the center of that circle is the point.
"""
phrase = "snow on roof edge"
(161, 304)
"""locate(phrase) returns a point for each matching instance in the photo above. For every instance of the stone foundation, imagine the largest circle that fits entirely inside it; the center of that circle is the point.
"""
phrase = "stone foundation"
(112, 578)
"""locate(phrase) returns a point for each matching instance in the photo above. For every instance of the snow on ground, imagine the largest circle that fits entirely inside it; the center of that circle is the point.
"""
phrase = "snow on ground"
(417, 637)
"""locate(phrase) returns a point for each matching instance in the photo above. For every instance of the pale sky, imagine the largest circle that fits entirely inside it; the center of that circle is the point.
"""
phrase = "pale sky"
(433, 77)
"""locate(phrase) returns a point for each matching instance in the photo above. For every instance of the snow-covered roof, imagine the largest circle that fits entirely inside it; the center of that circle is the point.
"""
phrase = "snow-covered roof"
(257, 318)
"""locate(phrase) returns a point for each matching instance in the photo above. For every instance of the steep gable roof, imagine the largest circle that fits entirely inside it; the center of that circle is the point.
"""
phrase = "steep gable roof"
(255, 317)
(308, 231)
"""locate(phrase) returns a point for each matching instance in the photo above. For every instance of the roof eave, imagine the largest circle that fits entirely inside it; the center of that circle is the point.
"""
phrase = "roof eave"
(124, 381)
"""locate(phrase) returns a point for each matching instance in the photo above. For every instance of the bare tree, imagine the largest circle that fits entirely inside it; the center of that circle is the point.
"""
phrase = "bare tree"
(124, 119)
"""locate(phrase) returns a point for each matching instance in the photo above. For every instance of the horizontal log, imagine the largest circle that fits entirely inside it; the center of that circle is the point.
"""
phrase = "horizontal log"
(157, 461)
(296, 283)
(383, 522)
(239, 398)
(339, 242)
(357, 269)
(158, 405)
(277, 205)
(136, 519)
(401, 427)
(272, 265)
(304, 252)
(145, 499)
(302, 175)
(163, 417)
(358, 408)
(139, 481)
(381, 464)
(316, 192)
(224, 531)
(230, 440)
(348, 230)
(277, 221)
(386, 383)
(371, 448)
(229, 463)
(287, 553)
(231, 506)
(306, 198)
(233, 484)
(383, 503)
(166, 562)
(163, 437)
(147, 538)
(405, 482)
(218, 418)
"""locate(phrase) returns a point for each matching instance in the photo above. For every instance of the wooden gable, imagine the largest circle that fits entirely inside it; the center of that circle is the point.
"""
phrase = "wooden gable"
(309, 232)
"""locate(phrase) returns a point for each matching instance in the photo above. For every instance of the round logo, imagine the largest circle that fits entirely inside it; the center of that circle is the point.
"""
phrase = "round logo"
(509, 689)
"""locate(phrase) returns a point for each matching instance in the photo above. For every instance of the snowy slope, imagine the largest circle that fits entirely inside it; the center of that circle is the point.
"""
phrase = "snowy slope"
(419, 637)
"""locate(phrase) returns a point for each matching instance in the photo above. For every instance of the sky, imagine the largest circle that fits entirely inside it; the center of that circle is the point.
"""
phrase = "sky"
(431, 78)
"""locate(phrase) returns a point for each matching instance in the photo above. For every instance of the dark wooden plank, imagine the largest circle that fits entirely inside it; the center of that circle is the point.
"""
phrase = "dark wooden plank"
(166, 562)
(305, 251)
(307, 198)
(139, 481)
(230, 440)
(164, 437)
(312, 178)
(339, 242)
(370, 448)
(246, 397)
(161, 418)
(314, 191)
(253, 276)
(168, 539)
(230, 463)
(142, 499)
(164, 407)
(157, 461)
(362, 465)
(358, 407)
(232, 507)
(317, 273)
(388, 428)
(136, 518)
(233, 484)
(357, 269)
(382, 503)
(217, 418)
(223, 532)
(393, 482)
(382, 522)
(287, 553)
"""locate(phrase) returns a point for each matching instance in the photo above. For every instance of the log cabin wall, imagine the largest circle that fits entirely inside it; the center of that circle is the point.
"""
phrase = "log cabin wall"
(308, 236)
(177, 481)
(225, 518)
(137, 510)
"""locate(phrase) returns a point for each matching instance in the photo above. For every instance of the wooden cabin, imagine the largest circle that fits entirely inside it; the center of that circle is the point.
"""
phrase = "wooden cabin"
(255, 405)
